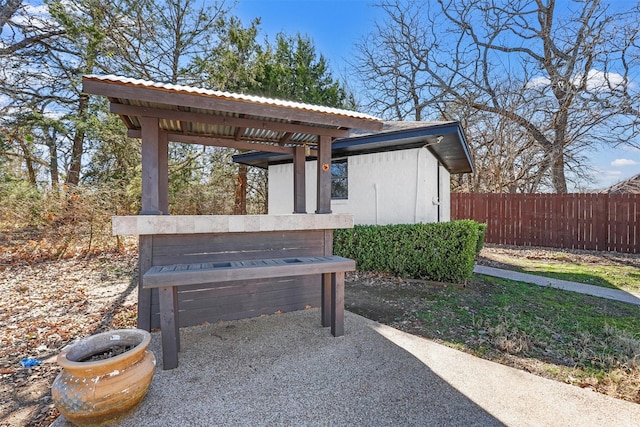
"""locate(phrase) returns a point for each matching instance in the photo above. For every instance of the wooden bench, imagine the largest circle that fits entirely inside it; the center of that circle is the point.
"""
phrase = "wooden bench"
(167, 279)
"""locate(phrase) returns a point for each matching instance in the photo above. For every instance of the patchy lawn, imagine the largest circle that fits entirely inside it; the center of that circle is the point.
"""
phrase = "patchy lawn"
(607, 269)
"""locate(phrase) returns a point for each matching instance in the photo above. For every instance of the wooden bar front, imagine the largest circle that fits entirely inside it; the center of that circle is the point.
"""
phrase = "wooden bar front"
(192, 239)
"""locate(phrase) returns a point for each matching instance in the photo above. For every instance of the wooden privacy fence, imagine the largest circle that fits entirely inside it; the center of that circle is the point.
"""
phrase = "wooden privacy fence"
(603, 222)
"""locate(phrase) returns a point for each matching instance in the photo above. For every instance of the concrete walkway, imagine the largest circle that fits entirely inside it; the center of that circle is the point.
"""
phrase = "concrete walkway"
(286, 370)
(596, 291)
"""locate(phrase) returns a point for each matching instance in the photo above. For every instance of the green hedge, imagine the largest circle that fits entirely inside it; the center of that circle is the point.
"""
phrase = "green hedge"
(443, 252)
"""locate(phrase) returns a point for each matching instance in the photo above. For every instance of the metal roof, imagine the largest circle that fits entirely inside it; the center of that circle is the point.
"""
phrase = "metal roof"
(197, 115)
(445, 140)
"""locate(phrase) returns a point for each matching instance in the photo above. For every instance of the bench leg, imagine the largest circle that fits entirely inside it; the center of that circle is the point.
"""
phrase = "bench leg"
(169, 325)
(337, 304)
(327, 279)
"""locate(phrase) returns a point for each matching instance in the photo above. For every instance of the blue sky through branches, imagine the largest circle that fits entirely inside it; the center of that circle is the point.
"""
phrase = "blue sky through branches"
(335, 26)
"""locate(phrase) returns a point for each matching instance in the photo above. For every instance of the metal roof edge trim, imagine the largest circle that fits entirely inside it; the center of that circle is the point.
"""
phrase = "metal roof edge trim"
(427, 130)
(343, 143)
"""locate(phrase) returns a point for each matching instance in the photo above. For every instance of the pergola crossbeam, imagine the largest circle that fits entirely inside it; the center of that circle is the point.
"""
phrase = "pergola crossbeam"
(219, 142)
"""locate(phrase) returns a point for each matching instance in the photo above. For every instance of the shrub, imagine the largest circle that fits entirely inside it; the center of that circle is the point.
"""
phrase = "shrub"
(442, 252)
(38, 225)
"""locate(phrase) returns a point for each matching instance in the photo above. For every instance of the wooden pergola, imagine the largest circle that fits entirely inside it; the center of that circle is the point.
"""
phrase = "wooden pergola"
(158, 113)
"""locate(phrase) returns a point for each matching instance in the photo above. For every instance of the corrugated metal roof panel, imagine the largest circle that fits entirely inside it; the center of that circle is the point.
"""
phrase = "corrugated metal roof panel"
(229, 95)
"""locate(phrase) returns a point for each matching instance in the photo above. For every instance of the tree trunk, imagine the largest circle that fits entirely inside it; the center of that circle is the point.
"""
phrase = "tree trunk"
(53, 163)
(240, 205)
(73, 176)
(28, 160)
(557, 174)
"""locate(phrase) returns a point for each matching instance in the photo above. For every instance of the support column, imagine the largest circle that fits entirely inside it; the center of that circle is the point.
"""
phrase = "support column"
(151, 154)
(324, 175)
(163, 173)
(150, 166)
(299, 181)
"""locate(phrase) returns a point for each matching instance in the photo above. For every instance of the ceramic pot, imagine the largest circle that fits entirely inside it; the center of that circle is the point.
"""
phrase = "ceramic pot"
(94, 392)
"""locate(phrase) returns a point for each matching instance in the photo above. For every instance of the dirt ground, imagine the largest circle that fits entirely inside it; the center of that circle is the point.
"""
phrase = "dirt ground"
(46, 305)
(493, 256)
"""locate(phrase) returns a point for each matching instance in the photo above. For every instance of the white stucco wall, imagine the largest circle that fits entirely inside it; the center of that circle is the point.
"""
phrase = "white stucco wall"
(397, 187)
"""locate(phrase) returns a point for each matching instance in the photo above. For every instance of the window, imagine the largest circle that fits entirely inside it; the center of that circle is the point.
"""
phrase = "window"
(339, 180)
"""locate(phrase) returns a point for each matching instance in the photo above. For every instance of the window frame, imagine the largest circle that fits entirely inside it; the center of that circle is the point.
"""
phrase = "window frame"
(342, 177)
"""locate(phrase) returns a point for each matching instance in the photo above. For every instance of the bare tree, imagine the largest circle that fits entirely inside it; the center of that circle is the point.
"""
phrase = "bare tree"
(23, 27)
(161, 39)
(7, 9)
(526, 62)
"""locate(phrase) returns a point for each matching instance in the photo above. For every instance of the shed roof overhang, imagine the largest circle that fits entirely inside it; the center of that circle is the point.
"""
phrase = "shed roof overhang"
(445, 140)
(202, 116)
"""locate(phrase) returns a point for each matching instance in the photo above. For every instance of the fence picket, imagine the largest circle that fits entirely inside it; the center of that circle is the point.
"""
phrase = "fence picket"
(604, 222)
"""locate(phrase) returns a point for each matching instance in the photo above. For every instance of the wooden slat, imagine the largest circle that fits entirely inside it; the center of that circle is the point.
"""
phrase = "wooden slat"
(224, 302)
(190, 274)
(267, 298)
(184, 249)
(196, 317)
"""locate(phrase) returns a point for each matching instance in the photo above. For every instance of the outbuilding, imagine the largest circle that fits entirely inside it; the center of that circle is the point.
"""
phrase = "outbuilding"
(399, 175)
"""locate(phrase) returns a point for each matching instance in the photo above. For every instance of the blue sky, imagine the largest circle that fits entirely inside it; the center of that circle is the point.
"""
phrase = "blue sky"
(335, 26)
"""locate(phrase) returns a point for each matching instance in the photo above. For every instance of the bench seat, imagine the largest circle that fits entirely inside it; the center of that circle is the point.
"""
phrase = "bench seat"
(167, 279)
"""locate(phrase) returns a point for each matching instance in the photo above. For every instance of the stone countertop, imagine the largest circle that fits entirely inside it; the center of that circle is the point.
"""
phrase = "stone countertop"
(192, 224)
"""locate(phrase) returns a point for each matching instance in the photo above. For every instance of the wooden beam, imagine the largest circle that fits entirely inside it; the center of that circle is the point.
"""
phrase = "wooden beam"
(219, 142)
(216, 119)
(323, 205)
(285, 138)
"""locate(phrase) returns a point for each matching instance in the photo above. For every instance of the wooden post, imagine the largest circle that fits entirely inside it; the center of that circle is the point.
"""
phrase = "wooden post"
(163, 173)
(326, 281)
(325, 303)
(299, 190)
(150, 206)
(169, 324)
(337, 304)
(324, 175)
(150, 166)
(145, 245)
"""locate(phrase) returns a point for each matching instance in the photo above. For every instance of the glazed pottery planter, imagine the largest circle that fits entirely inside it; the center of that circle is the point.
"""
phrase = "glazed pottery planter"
(94, 392)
